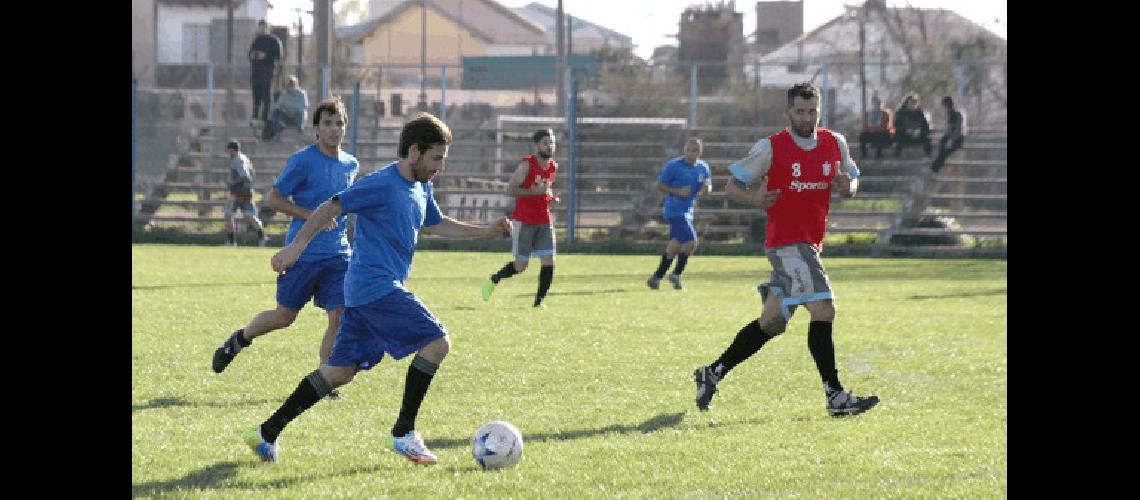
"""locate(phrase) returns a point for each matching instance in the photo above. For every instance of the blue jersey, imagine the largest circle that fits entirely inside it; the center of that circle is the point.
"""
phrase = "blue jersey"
(678, 173)
(390, 211)
(311, 178)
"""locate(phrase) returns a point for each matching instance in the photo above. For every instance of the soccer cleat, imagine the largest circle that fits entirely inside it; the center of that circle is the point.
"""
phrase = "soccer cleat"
(653, 282)
(265, 451)
(488, 287)
(676, 281)
(224, 354)
(539, 306)
(842, 403)
(706, 386)
(333, 395)
(412, 446)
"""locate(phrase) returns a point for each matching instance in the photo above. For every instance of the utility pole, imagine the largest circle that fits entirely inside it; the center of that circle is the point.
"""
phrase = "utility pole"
(862, 64)
(560, 46)
(422, 104)
(300, 46)
(322, 31)
(227, 114)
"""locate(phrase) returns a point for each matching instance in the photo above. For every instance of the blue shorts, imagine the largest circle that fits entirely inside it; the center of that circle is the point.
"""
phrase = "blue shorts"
(397, 323)
(681, 229)
(321, 280)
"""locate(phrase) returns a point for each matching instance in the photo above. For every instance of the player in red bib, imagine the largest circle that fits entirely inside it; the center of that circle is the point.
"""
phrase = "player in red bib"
(790, 175)
(532, 226)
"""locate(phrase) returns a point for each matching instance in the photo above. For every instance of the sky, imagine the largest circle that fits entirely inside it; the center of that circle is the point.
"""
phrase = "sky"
(650, 22)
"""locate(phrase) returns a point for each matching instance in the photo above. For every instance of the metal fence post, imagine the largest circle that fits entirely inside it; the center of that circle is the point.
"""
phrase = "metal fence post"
(134, 139)
(443, 93)
(572, 130)
(960, 76)
(209, 93)
(693, 97)
(823, 99)
(355, 113)
(325, 77)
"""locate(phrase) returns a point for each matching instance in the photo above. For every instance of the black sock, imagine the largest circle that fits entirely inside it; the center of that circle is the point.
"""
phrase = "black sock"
(506, 272)
(420, 373)
(748, 340)
(666, 260)
(230, 236)
(311, 389)
(240, 336)
(682, 259)
(260, 233)
(545, 276)
(823, 352)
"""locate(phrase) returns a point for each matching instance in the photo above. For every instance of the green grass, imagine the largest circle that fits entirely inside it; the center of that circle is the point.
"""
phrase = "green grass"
(600, 384)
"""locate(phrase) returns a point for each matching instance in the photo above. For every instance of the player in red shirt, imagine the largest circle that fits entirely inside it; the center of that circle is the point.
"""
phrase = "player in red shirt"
(532, 226)
(790, 175)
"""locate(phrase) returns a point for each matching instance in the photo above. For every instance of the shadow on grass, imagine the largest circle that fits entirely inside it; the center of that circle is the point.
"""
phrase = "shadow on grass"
(200, 285)
(979, 293)
(649, 426)
(211, 477)
(171, 402)
(579, 292)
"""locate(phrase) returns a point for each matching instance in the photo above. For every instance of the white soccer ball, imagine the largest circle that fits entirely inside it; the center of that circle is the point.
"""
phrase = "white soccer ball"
(497, 445)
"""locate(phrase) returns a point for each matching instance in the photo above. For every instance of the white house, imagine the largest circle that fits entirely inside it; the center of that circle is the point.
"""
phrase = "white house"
(182, 28)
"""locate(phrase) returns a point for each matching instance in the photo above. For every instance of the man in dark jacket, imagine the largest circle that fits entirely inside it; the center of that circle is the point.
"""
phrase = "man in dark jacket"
(264, 53)
(911, 125)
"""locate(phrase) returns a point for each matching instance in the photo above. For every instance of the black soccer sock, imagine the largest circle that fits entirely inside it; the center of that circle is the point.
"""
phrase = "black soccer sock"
(666, 260)
(241, 340)
(748, 340)
(311, 389)
(420, 373)
(506, 272)
(545, 276)
(682, 259)
(230, 236)
(823, 352)
(260, 233)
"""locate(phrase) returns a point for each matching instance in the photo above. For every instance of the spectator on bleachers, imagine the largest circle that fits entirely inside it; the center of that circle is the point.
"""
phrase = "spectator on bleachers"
(240, 185)
(292, 110)
(911, 125)
(878, 129)
(264, 53)
(955, 133)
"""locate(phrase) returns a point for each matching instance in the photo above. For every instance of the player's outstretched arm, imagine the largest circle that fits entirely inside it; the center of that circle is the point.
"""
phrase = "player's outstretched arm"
(452, 228)
(761, 197)
(328, 211)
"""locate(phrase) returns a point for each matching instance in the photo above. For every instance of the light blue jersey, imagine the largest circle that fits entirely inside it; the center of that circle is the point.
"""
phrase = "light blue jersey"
(678, 173)
(390, 213)
(311, 177)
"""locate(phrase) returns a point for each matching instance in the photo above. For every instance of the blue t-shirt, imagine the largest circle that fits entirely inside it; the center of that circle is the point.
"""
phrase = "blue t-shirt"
(311, 178)
(390, 211)
(677, 174)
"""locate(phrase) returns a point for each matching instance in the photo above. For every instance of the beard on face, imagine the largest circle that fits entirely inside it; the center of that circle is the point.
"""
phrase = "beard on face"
(544, 155)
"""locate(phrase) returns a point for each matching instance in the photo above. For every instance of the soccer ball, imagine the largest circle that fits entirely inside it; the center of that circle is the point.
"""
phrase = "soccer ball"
(497, 445)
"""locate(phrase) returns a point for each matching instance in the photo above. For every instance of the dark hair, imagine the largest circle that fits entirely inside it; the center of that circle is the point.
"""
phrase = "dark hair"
(949, 102)
(696, 141)
(803, 90)
(424, 131)
(332, 105)
(539, 134)
(234, 145)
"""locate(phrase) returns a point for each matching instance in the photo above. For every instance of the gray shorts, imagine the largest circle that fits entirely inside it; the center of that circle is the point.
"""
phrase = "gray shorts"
(246, 206)
(531, 239)
(798, 277)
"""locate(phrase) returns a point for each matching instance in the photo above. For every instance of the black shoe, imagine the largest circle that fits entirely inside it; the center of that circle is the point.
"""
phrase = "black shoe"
(333, 395)
(844, 403)
(224, 354)
(706, 386)
(653, 282)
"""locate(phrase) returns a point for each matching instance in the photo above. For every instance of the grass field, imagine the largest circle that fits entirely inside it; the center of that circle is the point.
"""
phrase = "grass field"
(600, 384)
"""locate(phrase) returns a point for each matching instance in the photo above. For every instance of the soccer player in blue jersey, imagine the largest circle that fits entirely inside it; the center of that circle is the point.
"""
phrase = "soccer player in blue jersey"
(392, 205)
(311, 176)
(682, 180)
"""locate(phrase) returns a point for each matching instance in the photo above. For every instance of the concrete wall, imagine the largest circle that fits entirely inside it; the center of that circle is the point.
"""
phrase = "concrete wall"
(143, 42)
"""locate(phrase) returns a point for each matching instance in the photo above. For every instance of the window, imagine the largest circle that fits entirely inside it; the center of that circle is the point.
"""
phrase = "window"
(195, 43)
